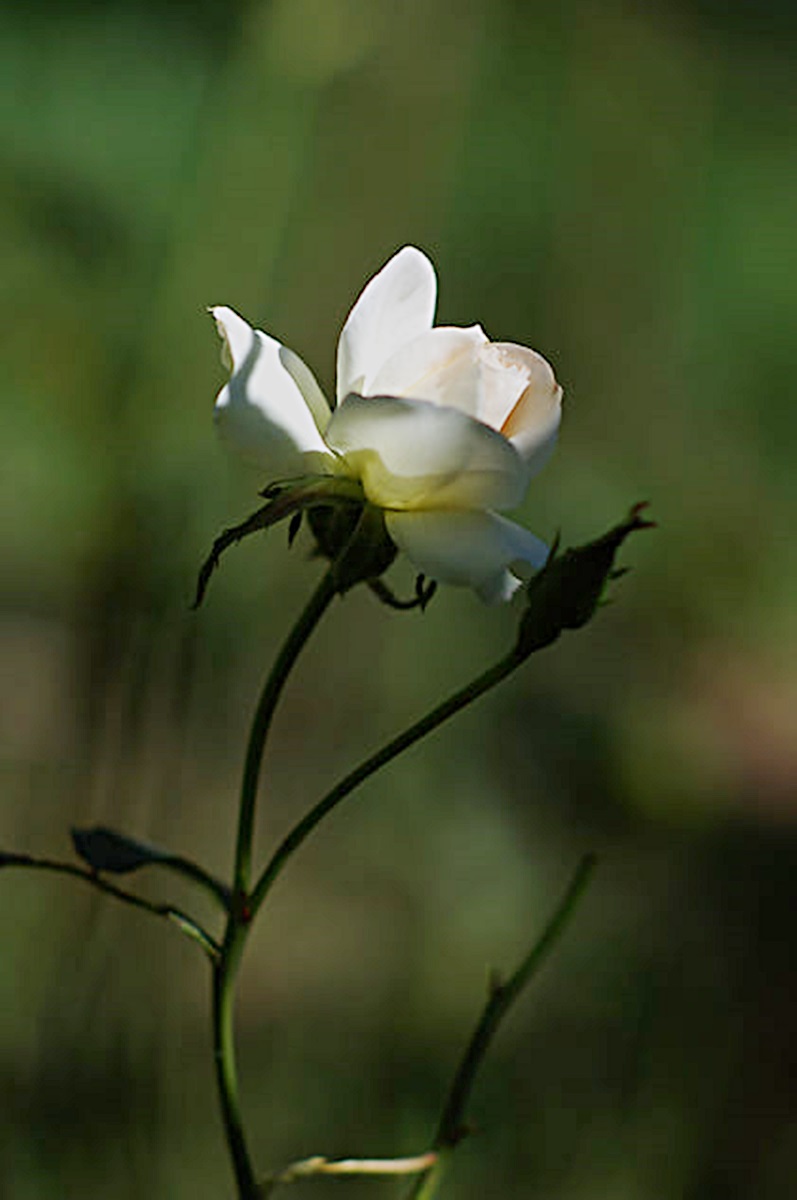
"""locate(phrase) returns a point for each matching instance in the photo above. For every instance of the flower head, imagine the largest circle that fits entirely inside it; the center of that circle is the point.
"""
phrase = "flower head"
(440, 426)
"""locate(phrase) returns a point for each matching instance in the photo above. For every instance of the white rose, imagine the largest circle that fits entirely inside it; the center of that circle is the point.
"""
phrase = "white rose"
(439, 425)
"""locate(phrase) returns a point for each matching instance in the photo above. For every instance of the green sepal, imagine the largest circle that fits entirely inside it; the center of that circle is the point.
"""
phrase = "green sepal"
(355, 540)
(286, 499)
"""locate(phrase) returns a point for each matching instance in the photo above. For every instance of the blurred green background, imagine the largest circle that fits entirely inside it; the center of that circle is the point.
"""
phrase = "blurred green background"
(613, 184)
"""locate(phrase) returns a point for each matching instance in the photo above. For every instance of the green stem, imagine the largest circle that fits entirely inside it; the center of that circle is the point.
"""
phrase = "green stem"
(381, 758)
(316, 607)
(240, 912)
(427, 1186)
(224, 1060)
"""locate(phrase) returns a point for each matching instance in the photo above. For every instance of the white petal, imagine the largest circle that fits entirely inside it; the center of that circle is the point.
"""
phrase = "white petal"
(394, 307)
(411, 454)
(499, 588)
(473, 549)
(261, 411)
(508, 387)
(236, 335)
(532, 423)
(442, 365)
(308, 385)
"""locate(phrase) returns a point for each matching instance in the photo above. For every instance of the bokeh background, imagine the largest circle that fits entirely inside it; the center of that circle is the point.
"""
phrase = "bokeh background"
(613, 184)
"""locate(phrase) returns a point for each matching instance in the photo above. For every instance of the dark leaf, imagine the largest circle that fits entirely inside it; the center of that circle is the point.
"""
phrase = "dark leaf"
(105, 850)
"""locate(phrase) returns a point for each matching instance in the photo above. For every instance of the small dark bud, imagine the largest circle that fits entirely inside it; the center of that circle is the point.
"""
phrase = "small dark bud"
(333, 526)
(105, 850)
(566, 593)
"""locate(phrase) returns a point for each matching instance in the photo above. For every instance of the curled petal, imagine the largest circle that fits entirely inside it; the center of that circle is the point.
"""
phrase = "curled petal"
(396, 306)
(508, 387)
(262, 411)
(411, 454)
(471, 549)
(532, 421)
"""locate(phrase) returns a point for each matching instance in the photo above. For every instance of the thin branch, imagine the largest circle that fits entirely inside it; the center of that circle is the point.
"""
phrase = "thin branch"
(443, 712)
(452, 1127)
(501, 998)
(186, 924)
(186, 867)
